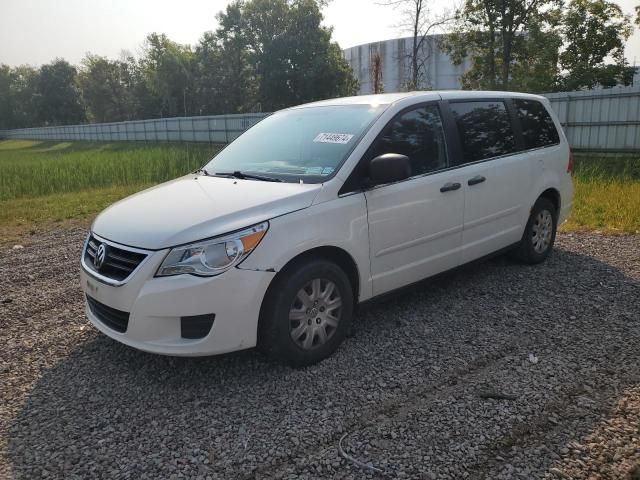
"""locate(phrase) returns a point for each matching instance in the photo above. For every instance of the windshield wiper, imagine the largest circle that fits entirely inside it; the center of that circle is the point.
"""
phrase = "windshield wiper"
(243, 176)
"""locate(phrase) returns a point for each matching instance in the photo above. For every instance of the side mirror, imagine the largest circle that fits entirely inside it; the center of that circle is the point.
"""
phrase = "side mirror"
(388, 168)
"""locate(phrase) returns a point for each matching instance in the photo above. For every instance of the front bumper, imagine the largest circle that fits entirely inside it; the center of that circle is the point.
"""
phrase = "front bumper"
(155, 306)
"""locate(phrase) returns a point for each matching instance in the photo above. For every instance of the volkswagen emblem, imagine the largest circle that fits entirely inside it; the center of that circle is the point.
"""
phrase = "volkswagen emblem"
(101, 253)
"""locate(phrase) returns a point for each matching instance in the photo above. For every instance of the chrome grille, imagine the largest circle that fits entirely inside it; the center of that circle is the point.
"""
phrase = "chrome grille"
(118, 263)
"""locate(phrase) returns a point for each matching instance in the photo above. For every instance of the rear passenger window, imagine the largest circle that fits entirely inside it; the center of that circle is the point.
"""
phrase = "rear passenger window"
(538, 129)
(419, 135)
(485, 129)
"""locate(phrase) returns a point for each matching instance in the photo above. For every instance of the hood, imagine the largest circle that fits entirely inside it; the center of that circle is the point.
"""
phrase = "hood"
(195, 207)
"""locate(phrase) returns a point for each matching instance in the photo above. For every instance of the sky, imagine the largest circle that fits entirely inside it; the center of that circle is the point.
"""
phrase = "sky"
(37, 31)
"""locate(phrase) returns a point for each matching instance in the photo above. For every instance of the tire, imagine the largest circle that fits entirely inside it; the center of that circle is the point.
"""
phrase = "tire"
(539, 234)
(300, 329)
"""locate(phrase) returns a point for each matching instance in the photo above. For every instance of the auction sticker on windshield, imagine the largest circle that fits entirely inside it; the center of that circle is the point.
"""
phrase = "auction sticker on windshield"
(342, 138)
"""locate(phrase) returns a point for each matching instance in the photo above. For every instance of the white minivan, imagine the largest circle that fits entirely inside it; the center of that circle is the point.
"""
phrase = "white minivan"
(320, 207)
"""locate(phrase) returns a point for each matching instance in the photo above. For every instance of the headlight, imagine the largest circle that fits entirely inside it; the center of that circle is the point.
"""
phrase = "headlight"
(214, 256)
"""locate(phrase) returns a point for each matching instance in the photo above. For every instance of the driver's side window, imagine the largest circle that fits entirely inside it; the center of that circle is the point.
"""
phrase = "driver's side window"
(418, 134)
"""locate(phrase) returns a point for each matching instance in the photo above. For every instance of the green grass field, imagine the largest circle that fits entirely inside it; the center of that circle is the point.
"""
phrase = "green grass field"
(33, 169)
(606, 193)
(46, 182)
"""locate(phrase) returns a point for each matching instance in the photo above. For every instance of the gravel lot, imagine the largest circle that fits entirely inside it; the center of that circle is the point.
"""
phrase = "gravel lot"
(414, 389)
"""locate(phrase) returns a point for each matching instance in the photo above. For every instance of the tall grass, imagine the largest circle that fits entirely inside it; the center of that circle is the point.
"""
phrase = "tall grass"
(606, 193)
(48, 181)
(33, 169)
(607, 166)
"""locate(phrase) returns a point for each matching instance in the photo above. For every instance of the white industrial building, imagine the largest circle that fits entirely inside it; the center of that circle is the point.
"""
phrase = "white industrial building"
(438, 72)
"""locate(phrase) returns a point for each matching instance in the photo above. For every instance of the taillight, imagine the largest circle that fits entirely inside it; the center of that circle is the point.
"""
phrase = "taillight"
(570, 164)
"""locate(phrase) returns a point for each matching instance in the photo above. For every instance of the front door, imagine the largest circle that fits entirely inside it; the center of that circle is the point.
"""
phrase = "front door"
(415, 226)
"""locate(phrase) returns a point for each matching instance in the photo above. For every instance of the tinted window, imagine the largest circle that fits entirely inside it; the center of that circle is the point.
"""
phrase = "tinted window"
(538, 129)
(419, 135)
(485, 129)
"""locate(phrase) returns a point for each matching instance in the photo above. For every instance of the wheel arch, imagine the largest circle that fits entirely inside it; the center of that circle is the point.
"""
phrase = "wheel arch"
(337, 255)
(553, 195)
(334, 254)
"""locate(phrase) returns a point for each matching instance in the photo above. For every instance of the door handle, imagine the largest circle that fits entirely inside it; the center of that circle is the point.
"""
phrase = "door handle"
(449, 186)
(476, 180)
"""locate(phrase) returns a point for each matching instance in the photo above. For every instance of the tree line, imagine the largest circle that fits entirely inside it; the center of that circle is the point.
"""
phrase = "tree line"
(270, 54)
(542, 45)
(264, 55)
(534, 46)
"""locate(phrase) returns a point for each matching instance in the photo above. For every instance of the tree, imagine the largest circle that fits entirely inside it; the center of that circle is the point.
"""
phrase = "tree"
(498, 33)
(6, 104)
(17, 96)
(24, 96)
(266, 54)
(168, 71)
(106, 89)
(421, 22)
(57, 95)
(593, 30)
(207, 64)
(535, 66)
(142, 101)
(375, 72)
(289, 51)
(237, 77)
(23, 91)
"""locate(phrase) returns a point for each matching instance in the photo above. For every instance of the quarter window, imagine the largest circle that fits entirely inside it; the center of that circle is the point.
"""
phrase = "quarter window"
(538, 129)
(485, 129)
(419, 135)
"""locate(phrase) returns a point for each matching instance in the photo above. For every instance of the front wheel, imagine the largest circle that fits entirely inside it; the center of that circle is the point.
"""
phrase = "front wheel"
(307, 313)
(539, 234)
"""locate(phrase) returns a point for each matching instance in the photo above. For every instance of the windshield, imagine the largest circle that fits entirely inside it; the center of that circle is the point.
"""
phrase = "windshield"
(306, 144)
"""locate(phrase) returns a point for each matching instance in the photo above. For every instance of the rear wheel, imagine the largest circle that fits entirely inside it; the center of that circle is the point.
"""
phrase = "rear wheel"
(307, 313)
(540, 233)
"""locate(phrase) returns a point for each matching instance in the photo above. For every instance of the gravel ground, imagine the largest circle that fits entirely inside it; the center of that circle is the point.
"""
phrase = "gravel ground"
(496, 371)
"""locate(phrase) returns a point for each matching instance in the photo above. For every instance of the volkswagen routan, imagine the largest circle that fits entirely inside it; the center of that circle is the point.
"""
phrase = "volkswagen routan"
(319, 207)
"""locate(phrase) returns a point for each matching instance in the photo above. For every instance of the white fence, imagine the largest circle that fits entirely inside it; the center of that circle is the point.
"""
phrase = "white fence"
(600, 119)
(211, 129)
(592, 120)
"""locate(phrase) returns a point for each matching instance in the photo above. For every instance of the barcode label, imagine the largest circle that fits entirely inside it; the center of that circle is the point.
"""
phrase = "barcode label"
(342, 138)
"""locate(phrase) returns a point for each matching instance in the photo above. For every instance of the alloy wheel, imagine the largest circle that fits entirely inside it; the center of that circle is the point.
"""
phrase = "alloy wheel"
(542, 231)
(315, 313)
